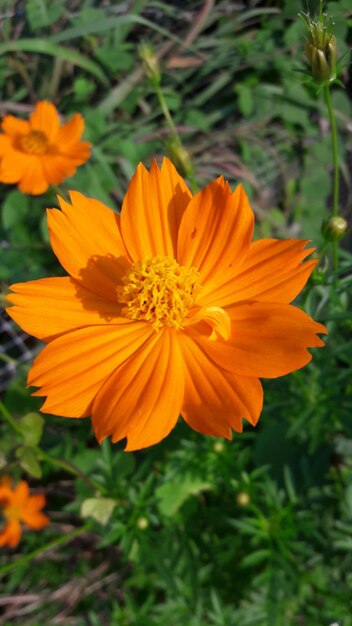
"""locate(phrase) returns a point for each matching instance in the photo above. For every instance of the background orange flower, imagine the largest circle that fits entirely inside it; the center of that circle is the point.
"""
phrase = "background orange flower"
(169, 309)
(39, 152)
(19, 507)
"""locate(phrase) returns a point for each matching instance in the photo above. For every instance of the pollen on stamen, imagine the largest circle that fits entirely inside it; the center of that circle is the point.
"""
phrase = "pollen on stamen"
(160, 291)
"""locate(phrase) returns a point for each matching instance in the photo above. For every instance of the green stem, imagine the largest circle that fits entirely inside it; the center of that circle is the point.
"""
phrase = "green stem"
(174, 132)
(66, 465)
(71, 468)
(335, 206)
(10, 420)
(165, 109)
(52, 544)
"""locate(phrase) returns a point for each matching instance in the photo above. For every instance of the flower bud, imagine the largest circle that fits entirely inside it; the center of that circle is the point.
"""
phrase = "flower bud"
(219, 447)
(334, 228)
(150, 61)
(142, 523)
(179, 156)
(320, 47)
(242, 498)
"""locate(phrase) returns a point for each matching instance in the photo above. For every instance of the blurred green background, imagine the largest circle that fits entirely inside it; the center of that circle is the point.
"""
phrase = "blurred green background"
(194, 531)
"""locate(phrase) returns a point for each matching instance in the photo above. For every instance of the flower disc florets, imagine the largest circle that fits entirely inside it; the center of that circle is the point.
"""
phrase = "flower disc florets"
(160, 291)
(36, 142)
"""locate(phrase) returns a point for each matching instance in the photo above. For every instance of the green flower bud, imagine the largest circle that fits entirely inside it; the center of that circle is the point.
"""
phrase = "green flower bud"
(334, 228)
(142, 523)
(219, 447)
(150, 61)
(320, 47)
(179, 156)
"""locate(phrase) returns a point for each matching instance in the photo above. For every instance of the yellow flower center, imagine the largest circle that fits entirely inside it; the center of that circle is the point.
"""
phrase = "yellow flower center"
(12, 512)
(35, 142)
(160, 291)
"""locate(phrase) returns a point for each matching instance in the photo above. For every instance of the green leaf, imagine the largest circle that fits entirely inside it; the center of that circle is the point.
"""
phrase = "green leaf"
(31, 426)
(99, 509)
(255, 558)
(245, 99)
(28, 461)
(83, 88)
(41, 13)
(14, 209)
(42, 46)
(174, 493)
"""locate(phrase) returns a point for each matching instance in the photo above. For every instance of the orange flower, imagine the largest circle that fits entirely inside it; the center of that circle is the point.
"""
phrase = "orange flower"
(18, 506)
(40, 152)
(168, 309)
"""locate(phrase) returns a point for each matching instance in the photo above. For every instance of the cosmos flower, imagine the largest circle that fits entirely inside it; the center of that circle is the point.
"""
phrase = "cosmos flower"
(19, 507)
(168, 308)
(39, 152)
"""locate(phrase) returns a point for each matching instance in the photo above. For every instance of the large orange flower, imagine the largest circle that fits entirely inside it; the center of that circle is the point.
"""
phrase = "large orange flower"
(19, 507)
(169, 308)
(40, 152)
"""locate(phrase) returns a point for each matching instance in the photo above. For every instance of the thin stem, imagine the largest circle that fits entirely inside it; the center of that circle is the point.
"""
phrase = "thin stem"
(165, 109)
(10, 420)
(71, 468)
(66, 465)
(335, 206)
(174, 131)
(52, 544)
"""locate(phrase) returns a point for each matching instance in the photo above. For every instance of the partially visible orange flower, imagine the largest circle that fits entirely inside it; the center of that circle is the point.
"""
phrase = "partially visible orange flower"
(39, 152)
(169, 308)
(19, 507)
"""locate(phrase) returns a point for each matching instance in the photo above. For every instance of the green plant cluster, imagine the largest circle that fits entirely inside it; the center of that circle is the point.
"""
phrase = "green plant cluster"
(194, 531)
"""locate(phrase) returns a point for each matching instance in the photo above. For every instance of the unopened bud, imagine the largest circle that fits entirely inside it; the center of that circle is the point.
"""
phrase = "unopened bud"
(142, 523)
(243, 498)
(218, 447)
(320, 47)
(334, 228)
(179, 156)
(150, 61)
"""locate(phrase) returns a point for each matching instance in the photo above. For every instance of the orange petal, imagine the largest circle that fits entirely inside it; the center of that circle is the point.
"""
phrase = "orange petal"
(72, 369)
(272, 271)
(87, 241)
(78, 152)
(215, 233)
(6, 493)
(268, 340)
(21, 494)
(142, 400)
(13, 166)
(51, 306)
(11, 534)
(5, 144)
(12, 126)
(216, 400)
(71, 132)
(46, 119)
(216, 317)
(35, 520)
(57, 168)
(36, 502)
(152, 211)
(33, 180)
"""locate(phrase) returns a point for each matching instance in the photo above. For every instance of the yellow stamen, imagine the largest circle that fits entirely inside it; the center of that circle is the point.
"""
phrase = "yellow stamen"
(35, 142)
(160, 291)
